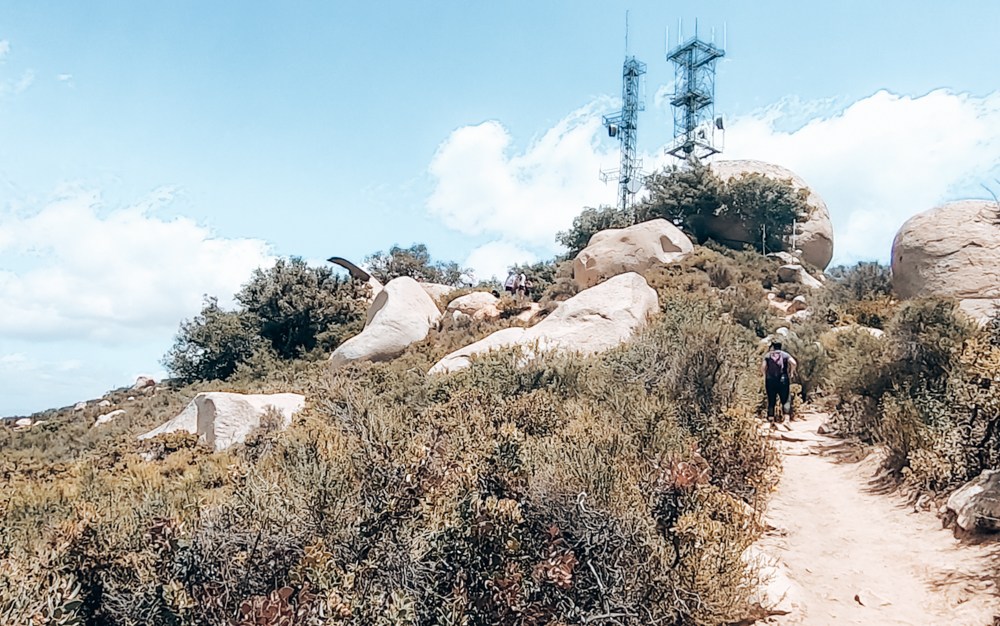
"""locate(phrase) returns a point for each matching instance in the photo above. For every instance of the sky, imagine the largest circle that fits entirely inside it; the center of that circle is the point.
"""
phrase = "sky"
(154, 153)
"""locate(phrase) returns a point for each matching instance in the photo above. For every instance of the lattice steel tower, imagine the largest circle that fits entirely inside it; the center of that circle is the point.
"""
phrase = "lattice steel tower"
(694, 99)
(623, 126)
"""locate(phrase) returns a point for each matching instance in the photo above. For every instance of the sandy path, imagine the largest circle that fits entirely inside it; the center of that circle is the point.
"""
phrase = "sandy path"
(837, 538)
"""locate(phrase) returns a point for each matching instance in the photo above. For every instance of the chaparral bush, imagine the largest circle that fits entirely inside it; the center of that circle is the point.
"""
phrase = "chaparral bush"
(528, 488)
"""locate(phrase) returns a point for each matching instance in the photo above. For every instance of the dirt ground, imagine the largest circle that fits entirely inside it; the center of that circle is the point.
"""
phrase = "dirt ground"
(859, 553)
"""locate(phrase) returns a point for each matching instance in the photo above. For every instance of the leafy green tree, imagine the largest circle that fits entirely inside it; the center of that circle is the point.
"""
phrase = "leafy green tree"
(542, 274)
(295, 304)
(214, 344)
(696, 201)
(687, 198)
(766, 208)
(591, 221)
(414, 262)
(286, 311)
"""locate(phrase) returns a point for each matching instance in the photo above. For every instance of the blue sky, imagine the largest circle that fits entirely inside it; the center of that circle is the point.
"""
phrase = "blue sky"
(151, 153)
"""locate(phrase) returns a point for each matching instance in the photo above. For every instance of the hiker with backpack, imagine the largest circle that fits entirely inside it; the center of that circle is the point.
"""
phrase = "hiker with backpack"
(778, 368)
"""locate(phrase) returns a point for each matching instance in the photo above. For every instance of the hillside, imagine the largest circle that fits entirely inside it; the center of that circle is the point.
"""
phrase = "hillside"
(605, 462)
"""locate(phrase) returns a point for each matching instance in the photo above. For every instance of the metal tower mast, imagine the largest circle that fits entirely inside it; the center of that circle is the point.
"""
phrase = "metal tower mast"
(694, 100)
(623, 126)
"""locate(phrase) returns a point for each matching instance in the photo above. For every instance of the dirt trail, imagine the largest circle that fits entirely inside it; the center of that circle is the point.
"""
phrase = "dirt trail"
(839, 537)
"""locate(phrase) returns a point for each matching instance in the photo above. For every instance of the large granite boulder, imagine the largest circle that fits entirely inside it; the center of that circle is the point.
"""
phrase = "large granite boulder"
(475, 306)
(952, 250)
(462, 357)
(598, 318)
(590, 322)
(436, 291)
(813, 235)
(401, 314)
(976, 505)
(634, 249)
(224, 419)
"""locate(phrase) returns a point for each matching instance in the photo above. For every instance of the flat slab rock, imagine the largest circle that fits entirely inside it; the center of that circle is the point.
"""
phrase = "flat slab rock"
(225, 419)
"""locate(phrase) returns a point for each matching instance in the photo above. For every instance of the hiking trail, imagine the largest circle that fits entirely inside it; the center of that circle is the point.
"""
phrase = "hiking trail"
(858, 554)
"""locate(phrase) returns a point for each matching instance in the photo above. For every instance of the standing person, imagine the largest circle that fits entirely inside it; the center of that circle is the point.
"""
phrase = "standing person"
(521, 286)
(778, 368)
(508, 284)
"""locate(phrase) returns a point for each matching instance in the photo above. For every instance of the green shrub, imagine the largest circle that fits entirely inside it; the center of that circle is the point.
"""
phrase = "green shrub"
(414, 262)
(864, 281)
(214, 344)
(287, 311)
(928, 336)
(530, 487)
(686, 197)
(693, 198)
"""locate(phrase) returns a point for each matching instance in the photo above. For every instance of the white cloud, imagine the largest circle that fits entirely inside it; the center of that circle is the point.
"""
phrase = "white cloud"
(18, 86)
(64, 76)
(4, 49)
(880, 160)
(482, 188)
(75, 270)
(875, 162)
(492, 259)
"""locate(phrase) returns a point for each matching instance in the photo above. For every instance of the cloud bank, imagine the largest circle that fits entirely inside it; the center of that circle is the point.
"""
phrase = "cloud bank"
(74, 270)
(876, 162)
(521, 199)
(882, 159)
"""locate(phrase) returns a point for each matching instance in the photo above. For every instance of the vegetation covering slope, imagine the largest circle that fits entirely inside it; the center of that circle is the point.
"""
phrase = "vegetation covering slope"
(551, 490)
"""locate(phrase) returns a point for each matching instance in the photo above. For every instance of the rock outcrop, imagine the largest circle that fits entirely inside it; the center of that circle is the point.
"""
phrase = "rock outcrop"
(225, 419)
(186, 420)
(460, 358)
(976, 505)
(401, 314)
(475, 306)
(590, 322)
(436, 291)
(598, 318)
(813, 236)
(858, 328)
(634, 249)
(142, 382)
(787, 307)
(797, 274)
(952, 250)
(108, 417)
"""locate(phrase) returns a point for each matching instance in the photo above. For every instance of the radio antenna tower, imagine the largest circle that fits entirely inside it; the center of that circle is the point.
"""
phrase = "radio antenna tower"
(623, 126)
(694, 99)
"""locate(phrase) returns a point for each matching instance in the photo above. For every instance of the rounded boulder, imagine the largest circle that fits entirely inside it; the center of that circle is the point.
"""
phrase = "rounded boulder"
(813, 235)
(617, 251)
(951, 251)
(401, 314)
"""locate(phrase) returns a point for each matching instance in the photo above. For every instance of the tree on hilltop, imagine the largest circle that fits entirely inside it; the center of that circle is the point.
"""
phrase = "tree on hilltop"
(414, 262)
(286, 311)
